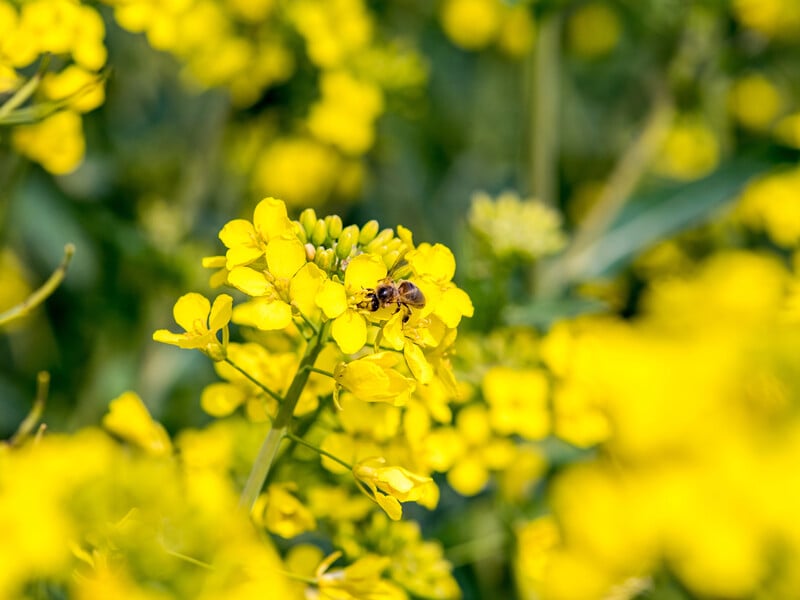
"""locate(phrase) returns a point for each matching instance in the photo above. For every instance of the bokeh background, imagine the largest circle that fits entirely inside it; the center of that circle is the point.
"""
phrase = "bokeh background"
(575, 155)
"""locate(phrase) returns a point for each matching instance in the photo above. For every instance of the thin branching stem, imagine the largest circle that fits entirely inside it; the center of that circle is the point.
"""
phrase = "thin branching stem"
(263, 387)
(298, 440)
(29, 423)
(36, 298)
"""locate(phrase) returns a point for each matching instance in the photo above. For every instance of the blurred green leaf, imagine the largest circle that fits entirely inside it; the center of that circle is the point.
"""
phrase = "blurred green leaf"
(655, 216)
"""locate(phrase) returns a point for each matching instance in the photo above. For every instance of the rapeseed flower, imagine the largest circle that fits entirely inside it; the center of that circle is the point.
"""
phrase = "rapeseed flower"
(201, 321)
(345, 324)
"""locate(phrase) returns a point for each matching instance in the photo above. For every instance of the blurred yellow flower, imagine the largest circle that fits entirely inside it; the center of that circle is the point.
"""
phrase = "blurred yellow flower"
(593, 30)
(471, 24)
(391, 485)
(755, 101)
(690, 150)
(56, 142)
(279, 510)
(129, 418)
(518, 401)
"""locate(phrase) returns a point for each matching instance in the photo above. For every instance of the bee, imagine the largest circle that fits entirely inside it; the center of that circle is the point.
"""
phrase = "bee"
(402, 293)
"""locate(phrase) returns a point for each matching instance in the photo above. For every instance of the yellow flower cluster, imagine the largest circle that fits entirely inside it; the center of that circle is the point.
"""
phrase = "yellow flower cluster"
(48, 129)
(84, 516)
(694, 409)
(515, 227)
(249, 47)
(477, 24)
(350, 332)
(770, 204)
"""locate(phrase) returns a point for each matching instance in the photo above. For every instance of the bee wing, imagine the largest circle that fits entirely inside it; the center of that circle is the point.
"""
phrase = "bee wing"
(399, 270)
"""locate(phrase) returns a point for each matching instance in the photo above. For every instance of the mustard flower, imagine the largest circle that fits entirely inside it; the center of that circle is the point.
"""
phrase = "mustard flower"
(128, 418)
(201, 321)
(517, 401)
(512, 226)
(373, 378)
(279, 510)
(249, 241)
(362, 580)
(392, 485)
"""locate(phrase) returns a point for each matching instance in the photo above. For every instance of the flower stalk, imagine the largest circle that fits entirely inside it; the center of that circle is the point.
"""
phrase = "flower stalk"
(280, 425)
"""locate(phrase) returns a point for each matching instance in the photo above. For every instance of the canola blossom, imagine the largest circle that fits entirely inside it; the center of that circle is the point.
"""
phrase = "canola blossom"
(350, 359)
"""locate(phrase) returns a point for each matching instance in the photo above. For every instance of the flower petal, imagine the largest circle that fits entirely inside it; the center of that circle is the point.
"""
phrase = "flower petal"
(350, 331)
(332, 299)
(220, 312)
(270, 219)
(285, 257)
(436, 262)
(364, 272)
(454, 304)
(251, 282)
(304, 287)
(238, 232)
(263, 314)
(221, 399)
(191, 310)
(417, 363)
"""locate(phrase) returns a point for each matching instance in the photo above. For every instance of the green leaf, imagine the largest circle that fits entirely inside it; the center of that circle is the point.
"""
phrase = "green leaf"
(658, 215)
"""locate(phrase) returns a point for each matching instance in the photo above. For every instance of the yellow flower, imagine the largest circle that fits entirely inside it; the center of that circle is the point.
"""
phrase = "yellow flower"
(248, 242)
(518, 401)
(282, 513)
(201, 322)
(690, 150)
(512, 226)
(373, 378)
(361, 580)
(471, 24)
(83, 89)
(434, 267)
(128, 418)
(392, 485)
(57, 142)
(593, 30)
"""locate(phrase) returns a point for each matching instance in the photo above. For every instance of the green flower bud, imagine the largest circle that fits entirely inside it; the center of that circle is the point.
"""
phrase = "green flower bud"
(368, 232)
(334, 224)
(379, 242)
(347, 239)
(308, 219)
(325, 258)
(320, 233)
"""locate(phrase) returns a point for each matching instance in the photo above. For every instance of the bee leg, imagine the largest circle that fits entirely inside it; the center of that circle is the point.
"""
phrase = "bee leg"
(407, 314)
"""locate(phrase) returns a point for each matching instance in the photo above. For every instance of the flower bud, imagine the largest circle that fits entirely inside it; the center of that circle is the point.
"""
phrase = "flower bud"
(347, 239)
(320, 233)
(368, 232)
(325, 258)
(308, 219)
(381, 240)
(334, 225)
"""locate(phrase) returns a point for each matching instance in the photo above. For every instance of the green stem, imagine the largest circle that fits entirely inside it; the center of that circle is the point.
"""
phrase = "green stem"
(298, 440)
(34, 416)
(545, 96)
(266, 390)
(280, 425)
(40, 295)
